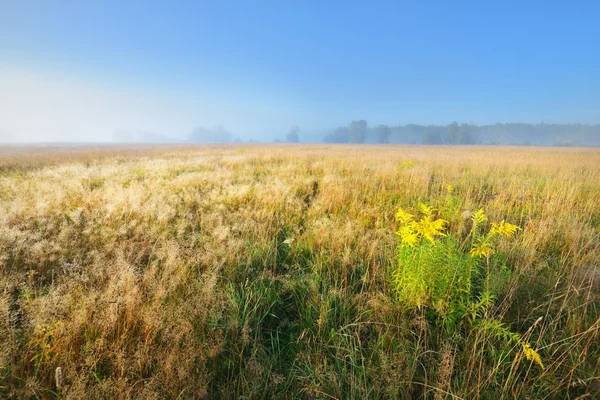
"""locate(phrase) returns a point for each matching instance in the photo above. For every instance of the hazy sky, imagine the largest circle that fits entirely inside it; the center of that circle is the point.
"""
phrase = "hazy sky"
(80, 70)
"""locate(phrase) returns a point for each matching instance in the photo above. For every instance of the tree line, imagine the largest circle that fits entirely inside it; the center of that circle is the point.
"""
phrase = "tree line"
(468, 134)
(359, 131)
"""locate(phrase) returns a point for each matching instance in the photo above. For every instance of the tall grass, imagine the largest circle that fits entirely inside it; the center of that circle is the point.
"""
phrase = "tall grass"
(260, 272)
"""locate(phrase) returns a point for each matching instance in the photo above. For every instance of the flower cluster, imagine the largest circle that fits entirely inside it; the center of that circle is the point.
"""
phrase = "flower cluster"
(412, 231)
(482, 246)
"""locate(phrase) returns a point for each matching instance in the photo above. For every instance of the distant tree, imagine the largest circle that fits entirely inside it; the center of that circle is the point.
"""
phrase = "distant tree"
(382, 133)
(452, 133)
(412, 133)
(292, 136)
(432, 137)
(221, 135)
(468, 133)
(460, 134)
(203, 135)
(358, 131)
(340, 135)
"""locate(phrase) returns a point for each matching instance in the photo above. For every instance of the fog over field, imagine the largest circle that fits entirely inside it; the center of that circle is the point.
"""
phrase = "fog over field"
(44, 108)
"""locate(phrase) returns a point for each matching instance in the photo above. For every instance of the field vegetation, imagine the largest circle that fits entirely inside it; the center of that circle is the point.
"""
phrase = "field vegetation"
(300, 271)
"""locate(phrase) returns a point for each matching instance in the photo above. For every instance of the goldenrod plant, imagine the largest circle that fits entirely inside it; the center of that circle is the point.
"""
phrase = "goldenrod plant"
(433, 272)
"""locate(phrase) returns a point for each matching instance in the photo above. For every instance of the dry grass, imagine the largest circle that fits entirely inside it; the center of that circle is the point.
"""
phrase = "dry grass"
(262, 271)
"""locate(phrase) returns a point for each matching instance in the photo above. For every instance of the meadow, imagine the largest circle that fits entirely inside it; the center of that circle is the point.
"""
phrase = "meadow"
(300, 271)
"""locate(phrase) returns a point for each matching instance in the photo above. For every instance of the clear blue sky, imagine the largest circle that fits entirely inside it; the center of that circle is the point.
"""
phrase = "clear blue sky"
(82, 69)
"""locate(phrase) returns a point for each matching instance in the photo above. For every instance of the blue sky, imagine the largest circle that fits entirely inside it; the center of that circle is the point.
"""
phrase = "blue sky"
(79, 70)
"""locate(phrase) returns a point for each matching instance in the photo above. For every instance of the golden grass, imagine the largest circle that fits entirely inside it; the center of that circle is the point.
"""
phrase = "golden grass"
(231, 271)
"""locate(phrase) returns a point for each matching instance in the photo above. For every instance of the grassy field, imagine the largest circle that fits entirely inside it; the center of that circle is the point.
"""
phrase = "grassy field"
(275, 272)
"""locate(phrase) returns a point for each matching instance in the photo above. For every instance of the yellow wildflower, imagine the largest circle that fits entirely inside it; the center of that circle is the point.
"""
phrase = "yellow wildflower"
(531, 354)
(504, 228)
(428, 228)
(403, 216)
(425, 209)
(483, 250)
(410, 239)
(479, 216)
(408, 234)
